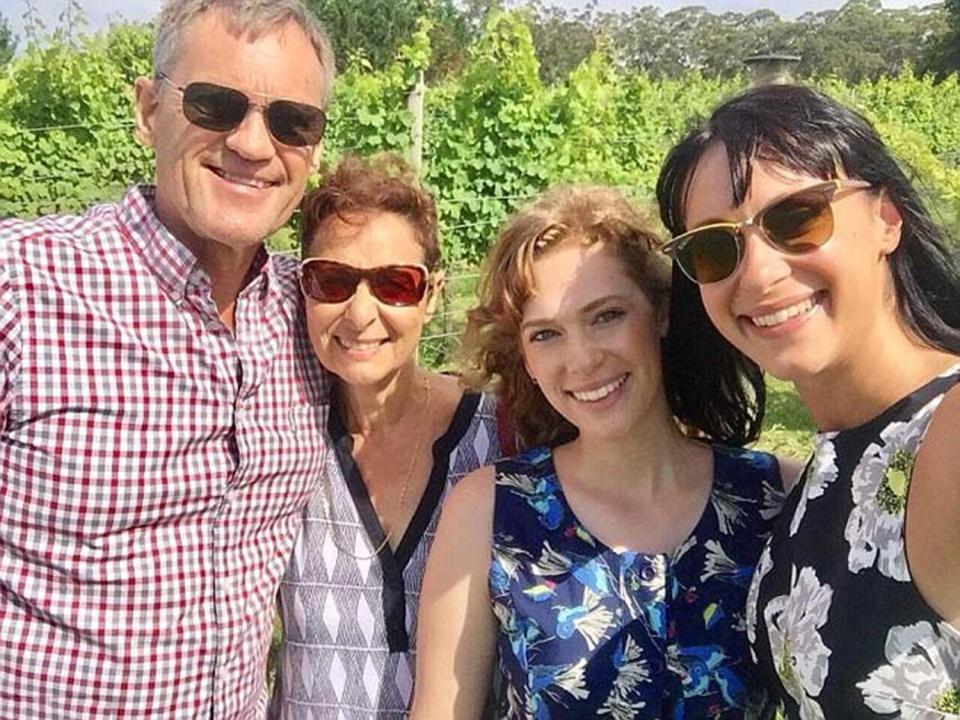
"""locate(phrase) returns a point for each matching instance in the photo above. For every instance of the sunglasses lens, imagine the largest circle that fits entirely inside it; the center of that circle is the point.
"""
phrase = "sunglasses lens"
(399, 284)
(800, 223)
(214, 107)
(295, 123)
(710, 255)
(328, 282)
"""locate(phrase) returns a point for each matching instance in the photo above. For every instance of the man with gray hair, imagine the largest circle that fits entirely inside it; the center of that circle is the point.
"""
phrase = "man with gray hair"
(161, 413)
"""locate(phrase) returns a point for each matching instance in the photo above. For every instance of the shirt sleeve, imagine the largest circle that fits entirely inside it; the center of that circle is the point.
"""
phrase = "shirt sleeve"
(10, 350)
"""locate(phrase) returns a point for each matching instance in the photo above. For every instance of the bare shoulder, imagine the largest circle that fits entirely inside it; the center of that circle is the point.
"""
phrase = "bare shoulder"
(446, 386)
(933, 511)
(445, 395)
(473, 495)
(939, 457)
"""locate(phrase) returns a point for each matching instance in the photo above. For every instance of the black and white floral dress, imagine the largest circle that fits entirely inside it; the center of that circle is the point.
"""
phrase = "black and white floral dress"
(833, 617)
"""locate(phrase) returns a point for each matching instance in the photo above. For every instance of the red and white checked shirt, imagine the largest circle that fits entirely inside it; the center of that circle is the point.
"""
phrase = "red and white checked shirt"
(153, 466)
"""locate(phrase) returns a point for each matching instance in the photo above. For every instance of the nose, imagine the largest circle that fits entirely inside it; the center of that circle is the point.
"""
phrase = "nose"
(581, 355)
(762, 265)
(362, 307)
(251, 139)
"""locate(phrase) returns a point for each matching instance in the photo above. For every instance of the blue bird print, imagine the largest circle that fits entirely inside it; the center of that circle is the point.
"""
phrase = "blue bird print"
(591, 572)
(591, 619)
(499, 579)
(719, 564)
(704, 668)
(552, 681)
(540, 494)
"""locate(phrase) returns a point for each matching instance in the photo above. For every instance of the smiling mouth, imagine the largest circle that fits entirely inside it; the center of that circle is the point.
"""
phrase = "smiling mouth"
(244, 180)
(358, 345)
(781, 316)
(601, 392)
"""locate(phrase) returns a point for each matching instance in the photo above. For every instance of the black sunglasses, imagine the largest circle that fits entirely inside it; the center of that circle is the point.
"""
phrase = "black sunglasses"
(796, 223)
(327, 281)
(219, 108)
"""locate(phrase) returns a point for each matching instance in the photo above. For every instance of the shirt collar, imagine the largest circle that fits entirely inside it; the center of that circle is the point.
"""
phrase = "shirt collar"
(168, 259)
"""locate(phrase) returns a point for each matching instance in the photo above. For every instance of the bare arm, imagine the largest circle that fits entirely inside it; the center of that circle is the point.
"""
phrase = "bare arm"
(933, 512)
(457, 629)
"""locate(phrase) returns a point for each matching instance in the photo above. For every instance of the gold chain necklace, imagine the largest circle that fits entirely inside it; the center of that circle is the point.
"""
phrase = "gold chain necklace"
(324, 501)
(416, 449)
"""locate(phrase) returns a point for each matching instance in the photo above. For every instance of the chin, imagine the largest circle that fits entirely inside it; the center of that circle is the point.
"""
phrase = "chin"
(795, 370)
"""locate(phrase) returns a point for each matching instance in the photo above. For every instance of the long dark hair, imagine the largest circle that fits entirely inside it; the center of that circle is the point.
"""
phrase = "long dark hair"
(807, 132)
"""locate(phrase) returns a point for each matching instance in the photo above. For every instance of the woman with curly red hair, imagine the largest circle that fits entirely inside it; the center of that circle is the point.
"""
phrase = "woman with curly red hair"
(606, 567)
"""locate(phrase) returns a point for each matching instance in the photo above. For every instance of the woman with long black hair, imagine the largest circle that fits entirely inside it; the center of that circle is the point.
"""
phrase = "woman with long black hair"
(799, 241)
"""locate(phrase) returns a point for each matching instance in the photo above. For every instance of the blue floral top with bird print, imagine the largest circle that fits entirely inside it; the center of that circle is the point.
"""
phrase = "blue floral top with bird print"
(584, 630)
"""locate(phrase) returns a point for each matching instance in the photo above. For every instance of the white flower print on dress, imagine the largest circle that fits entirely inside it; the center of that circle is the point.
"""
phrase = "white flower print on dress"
(879, 487)
(823, 471)
(764, 566)
(922, 679)
(793, 623)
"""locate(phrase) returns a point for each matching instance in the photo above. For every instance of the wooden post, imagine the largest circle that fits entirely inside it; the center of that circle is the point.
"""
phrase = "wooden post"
(415, 106)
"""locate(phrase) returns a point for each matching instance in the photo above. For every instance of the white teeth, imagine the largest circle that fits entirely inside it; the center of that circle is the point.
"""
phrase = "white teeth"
(781, 316)
(599, 393)
(360, 345)
(243, 180)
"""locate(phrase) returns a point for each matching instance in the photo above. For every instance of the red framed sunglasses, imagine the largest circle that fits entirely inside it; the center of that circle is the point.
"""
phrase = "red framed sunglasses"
(326, 281)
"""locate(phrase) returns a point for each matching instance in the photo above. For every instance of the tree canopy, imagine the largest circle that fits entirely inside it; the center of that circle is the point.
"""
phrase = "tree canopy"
(861, 40)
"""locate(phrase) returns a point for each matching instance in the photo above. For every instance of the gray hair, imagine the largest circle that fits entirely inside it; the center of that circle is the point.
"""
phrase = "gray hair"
(247, 16)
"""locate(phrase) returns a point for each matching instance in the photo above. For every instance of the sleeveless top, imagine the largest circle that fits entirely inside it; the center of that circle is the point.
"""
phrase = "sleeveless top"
(584, 630)
(349, 614)
(835, 620)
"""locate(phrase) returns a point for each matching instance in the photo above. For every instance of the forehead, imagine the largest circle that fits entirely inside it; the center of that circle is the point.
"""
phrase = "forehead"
(367, 239)
(274, 61)
(710, 196)
(574, 274)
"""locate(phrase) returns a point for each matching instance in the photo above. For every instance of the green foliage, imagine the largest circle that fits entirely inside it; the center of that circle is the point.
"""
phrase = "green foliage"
(486, 137)
(943, 55)
(494, 136)
(8, 42)
(66, 137)
(369, 33)
(787, 427)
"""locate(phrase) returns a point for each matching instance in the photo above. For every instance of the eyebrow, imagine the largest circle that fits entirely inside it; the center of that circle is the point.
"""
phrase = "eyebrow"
(585, 310)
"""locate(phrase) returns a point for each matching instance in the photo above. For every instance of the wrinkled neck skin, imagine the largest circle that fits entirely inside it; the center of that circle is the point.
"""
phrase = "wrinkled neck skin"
(370, 409)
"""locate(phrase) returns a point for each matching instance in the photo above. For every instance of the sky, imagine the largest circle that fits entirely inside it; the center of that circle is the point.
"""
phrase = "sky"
(100, 13)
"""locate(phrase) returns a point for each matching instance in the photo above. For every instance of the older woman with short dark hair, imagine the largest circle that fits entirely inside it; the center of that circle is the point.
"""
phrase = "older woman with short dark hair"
(401, 437)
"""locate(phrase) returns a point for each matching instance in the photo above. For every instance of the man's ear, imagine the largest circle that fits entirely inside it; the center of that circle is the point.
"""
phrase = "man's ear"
(892, 223)
(437, 282)
(145, 108)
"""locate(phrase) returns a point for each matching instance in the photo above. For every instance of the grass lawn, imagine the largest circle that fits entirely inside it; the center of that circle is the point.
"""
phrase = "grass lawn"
(787, 427)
